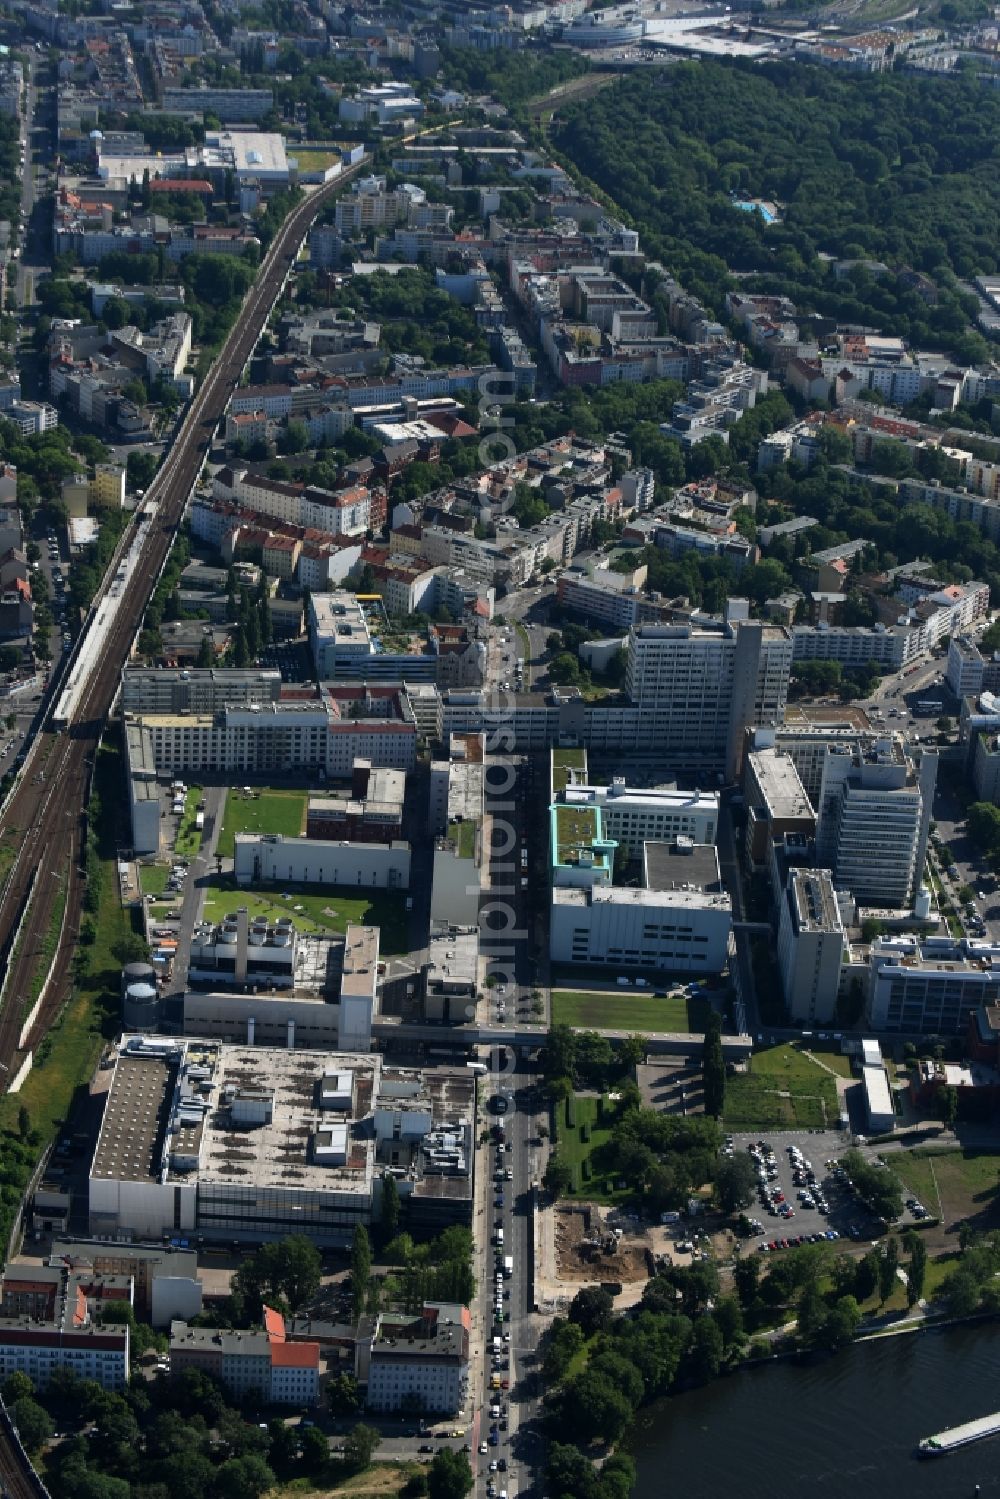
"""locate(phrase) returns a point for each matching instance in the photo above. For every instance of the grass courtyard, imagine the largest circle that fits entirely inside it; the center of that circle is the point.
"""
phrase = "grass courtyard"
(784, 1089)
(593, 1123)
(315, 909)
(953, 1184)
(153, 878)
(261, 812)
(619, 1010)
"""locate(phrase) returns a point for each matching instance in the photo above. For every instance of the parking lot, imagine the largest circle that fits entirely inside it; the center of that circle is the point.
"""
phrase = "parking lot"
(800, 1198)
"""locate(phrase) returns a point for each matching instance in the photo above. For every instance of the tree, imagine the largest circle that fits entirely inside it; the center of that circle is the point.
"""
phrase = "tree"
(34, 1424)
(729, 1319)
(360, 1444)
(961, 1292)
(342, 1395)
(714, 1067)
(735, 1182)
(16, 1387)
(361, 1264)
(390, 1206)
(946, 1104)
(706, 1351)
(558, 1175)
(916, 1270)
(746, 1278)
(591, 1309)
(887, 1266)
(315, 1449)
(299, 1269)
(811, 1315)
(23, 1122)
(841, 1323)
(449, 1475)
(243, 1478)
(876, 1185)
(564, 1341)
(591, 1403)
(866, 1276)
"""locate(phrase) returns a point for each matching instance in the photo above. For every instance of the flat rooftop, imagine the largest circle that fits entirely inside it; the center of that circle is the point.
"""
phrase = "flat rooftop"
(779, 784)
(815, 903)
(170, 1116)
(681, 866)
(130, 1144)
(466, 790)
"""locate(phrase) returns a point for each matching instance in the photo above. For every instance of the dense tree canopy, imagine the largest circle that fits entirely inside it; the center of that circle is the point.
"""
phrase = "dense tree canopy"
(894, 168)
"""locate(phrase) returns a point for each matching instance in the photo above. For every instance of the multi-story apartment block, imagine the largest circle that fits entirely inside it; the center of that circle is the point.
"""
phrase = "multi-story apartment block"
(344, 512)
(420, 1363)
(810, 946)
(227, 104)
(166, 690)
(264, 1363)
(710, 681)
(874, 812)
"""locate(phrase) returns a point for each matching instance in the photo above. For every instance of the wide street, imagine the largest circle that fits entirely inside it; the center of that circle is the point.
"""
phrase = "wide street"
(515, 1148)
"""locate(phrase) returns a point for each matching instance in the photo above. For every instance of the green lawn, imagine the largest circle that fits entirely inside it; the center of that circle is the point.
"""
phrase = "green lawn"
(575, 827)
(784, 1087)
(835, 1060)
(959, 1183)
(563, 761)
(464, 835)
(188, 840)
(153, 878)
(261, 812)
(315, 161)
(316, 909)
(619, 1010)
(597, 1117)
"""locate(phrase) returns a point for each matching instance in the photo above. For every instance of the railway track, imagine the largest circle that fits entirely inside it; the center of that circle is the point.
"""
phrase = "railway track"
(44, 818)
(18, 1478)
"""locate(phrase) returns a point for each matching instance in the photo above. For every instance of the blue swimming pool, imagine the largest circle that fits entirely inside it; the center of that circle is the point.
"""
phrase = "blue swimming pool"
(753, 206)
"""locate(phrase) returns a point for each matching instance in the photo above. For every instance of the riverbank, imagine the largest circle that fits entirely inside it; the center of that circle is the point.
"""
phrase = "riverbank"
(839, 1424)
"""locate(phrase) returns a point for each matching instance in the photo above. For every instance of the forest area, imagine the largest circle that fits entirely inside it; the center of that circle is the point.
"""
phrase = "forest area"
(896, 168)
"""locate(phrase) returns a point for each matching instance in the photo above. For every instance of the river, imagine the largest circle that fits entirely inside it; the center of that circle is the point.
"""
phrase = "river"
(843, 1427)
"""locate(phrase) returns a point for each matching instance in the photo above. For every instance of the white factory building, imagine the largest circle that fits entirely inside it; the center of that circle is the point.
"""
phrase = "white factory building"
(276, 859)
(266, 983)
(680, 921)
(234, 1142)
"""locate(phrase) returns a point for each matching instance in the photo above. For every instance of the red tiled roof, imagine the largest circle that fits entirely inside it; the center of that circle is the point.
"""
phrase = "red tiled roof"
(294, 1355)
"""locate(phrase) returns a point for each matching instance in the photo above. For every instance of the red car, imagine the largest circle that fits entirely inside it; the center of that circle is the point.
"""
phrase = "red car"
(505, 1384)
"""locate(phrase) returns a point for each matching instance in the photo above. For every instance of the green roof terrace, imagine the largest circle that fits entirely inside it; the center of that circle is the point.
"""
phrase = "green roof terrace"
(578, 838)
(462, 832)
(564, 761)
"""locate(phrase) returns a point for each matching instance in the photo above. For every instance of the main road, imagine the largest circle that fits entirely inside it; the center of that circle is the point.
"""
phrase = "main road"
(42, 823)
